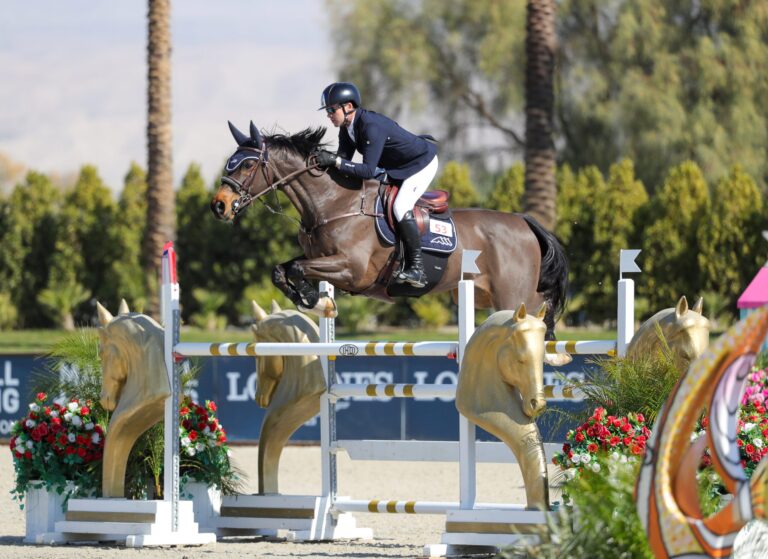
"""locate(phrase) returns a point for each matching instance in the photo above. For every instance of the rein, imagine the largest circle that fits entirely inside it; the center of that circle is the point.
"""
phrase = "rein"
(243, 190)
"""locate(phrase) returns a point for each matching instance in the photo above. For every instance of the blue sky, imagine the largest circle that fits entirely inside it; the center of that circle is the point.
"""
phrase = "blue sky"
(73, 79)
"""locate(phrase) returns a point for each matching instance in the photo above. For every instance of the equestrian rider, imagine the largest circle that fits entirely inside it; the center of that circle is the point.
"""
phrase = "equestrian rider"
(408, 160)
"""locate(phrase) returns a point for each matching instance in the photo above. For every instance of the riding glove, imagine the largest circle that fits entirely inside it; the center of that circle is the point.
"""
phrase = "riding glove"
(326, 158)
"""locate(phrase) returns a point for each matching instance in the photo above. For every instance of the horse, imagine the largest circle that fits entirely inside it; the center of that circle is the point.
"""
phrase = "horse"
(134, 386)
(501, 389)
(686, 332)
(289, 387)
(519, 262)
(666, 492)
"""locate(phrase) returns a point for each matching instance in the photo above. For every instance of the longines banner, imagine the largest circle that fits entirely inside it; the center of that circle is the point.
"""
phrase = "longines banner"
(231, 383)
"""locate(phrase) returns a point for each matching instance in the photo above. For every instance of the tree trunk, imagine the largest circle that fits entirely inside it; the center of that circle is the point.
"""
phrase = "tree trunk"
(540, 197)
(161, 215)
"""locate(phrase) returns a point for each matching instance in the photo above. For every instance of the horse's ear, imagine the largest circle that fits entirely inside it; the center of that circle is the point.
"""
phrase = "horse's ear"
(275, 307)
(257, 311)
(520, 314)
(123, 307)
(542, 311)
(240, 138)
(699, 306)
(682, 307)
(255, 135)
(105, 317)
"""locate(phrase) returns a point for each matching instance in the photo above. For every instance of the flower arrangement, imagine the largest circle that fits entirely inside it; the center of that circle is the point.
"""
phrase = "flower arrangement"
(205, 455)
(58, 447)
(603, 435)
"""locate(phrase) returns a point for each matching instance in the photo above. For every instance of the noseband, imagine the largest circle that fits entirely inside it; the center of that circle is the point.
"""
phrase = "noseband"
(243, 189)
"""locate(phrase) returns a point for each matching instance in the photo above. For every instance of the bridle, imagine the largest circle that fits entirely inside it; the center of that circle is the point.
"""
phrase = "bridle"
(243, 189)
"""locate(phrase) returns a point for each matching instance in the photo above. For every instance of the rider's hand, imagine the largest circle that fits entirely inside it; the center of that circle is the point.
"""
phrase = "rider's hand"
(325, 158)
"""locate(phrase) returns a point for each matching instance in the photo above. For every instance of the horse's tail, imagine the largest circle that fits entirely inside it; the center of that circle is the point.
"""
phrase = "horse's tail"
(553, 276)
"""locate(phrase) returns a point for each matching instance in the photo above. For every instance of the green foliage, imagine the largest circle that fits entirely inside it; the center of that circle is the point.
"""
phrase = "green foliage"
(61, 299)
(603, 522)
(462, 60)
(731, 247)
(507, 193)
(662, 83)
(456, 180)
(623, 386)
(263, 292)
(358, 313)
(433, 310)
(125, 279)
(8, 312)
(671, 221)
(209, 303)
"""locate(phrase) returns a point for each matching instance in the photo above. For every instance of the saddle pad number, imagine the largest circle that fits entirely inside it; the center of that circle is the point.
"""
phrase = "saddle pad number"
(441, 228)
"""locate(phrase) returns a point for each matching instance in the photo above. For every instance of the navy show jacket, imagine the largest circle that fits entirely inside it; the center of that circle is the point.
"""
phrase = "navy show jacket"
(383, 145)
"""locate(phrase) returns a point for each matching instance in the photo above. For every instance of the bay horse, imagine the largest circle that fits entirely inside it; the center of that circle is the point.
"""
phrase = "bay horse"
(501, 389)
(519, 262)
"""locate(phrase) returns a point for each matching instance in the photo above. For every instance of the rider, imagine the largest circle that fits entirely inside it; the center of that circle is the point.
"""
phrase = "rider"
(409, 160)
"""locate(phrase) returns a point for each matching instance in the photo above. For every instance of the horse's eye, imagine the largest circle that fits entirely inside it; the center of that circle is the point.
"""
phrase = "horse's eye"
(247, 165)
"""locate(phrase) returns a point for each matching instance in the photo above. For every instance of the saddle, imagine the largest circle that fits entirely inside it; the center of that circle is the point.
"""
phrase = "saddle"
(431, 202)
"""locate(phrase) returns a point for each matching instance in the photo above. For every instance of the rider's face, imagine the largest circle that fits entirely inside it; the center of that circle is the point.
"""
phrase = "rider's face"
(336, 115)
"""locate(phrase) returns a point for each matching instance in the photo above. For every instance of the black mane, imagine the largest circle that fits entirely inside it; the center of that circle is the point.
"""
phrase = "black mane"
(301, 143)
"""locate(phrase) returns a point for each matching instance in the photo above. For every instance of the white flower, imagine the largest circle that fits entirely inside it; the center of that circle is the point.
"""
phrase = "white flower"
(200, 447)
(714, 478)
(190, 451)
(614, 456)
(95, 437)
(185, 441)
(30, 444)
(758, 443)
(207, 430)
(72, 406)
(34, 407)
(623, 459)
(88, 426)
(229, 453)
(67, 416)
(595, 467)
(30, 423)
(749, 426)
(77, 421)
(71, 437)
(54, 414)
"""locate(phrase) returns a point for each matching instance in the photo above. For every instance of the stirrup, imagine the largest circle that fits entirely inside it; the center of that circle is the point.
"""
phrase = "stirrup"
(418, 281)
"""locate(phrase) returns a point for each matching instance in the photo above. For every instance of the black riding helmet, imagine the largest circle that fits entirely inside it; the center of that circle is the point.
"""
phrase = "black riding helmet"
(339, 93)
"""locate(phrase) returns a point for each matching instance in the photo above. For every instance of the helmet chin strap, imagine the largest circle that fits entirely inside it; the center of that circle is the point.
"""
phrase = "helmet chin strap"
(344, 111)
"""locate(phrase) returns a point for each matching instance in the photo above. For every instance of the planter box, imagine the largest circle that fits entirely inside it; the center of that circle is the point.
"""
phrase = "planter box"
(206, 502)
(43, 509)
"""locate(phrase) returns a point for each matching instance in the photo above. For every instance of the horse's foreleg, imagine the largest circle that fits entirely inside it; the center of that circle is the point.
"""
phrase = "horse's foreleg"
(334, 269)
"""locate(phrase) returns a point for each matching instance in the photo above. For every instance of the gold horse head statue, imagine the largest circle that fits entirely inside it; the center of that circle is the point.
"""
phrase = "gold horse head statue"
(134, 386)
(501, 390)
(289, 387)
(685, 330)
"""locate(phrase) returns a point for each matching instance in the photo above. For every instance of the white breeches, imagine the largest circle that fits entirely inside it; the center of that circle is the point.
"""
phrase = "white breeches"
(413, 187)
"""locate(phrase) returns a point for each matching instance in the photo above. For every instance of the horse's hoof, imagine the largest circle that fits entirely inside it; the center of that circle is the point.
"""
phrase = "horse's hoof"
(557, 359)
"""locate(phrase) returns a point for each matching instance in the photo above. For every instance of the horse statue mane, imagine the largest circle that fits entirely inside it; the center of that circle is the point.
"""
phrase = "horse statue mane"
(686, 332)
(501, 390)
(667, 497)
(134, 386)
(289, 387)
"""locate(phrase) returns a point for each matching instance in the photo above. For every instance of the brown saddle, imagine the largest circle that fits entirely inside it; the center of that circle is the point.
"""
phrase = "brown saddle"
(431, 202)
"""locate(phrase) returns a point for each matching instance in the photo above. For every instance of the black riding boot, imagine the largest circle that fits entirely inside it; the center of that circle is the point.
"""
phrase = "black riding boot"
(413, 273)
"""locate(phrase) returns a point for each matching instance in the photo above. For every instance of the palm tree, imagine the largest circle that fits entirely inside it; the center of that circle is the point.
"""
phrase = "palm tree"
(161, 214)
(540, 198)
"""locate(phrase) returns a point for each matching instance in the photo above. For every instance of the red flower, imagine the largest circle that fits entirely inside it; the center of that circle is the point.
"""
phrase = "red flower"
(626, 428)
(70, 450)
(42, 396)
(739, 443)
(636, 449)
(28, 454)
(201, 425)
(184, 411)
(193, 435)
(749, 448)
(614, 441)
(592, 447)
(211, 405)
(81, 452)
(627, 441)
(579, 437)
(84, 410)
(640, 418)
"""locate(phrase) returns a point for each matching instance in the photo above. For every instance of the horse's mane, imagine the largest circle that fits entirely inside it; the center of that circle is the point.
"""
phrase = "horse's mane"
(301, 143)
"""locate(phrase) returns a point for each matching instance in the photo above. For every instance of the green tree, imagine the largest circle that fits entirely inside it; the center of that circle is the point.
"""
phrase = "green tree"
(126, 279)
(670, 238)
(456, 180)
(196, 234)
(27, 240)
(662, 83)
(508, 190)
(731, 248)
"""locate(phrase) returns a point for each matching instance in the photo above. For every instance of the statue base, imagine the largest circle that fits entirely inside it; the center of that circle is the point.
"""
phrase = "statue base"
(129, 522)
(295, 517)
(488, 530)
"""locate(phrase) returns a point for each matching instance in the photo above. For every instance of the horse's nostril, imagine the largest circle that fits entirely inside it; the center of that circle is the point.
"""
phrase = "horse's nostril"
(218, 208)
